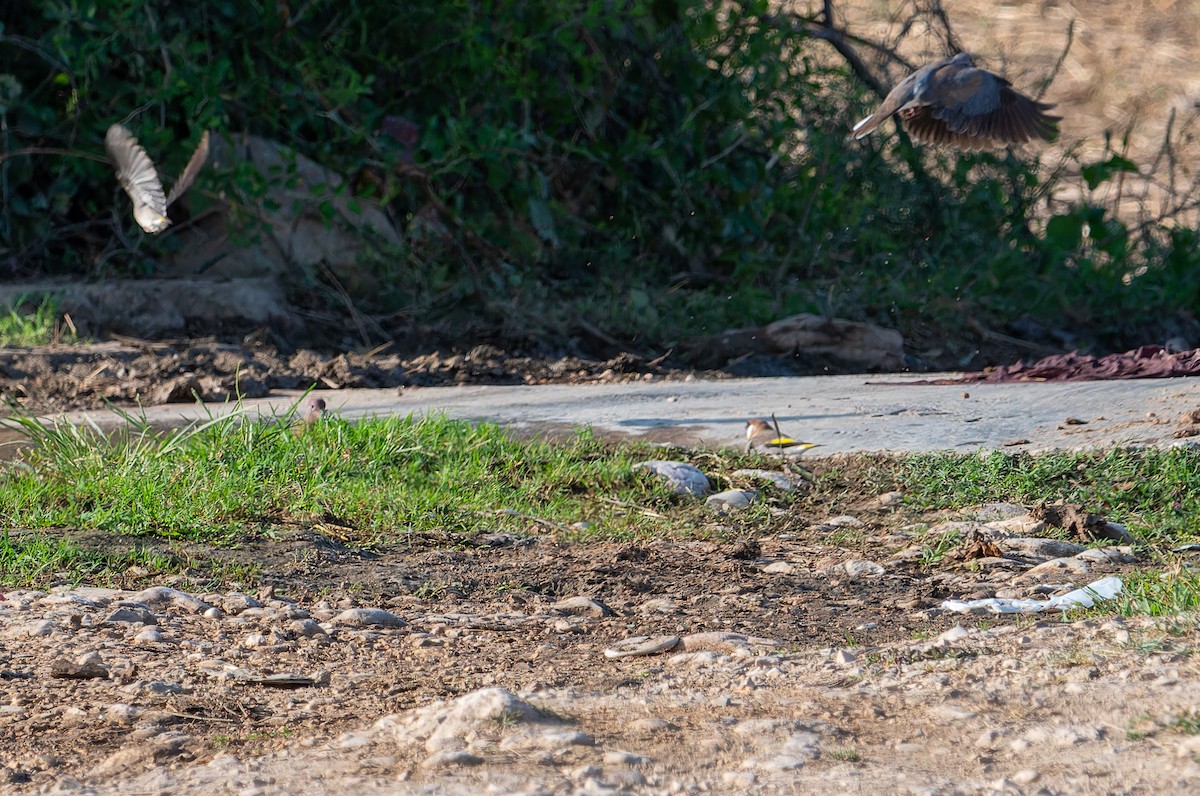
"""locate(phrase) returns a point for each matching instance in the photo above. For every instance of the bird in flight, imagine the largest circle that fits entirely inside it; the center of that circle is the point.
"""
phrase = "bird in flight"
(955, 102)
(139, 177)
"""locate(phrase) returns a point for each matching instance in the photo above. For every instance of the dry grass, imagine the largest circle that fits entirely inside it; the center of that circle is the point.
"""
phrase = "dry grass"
(1130, 71)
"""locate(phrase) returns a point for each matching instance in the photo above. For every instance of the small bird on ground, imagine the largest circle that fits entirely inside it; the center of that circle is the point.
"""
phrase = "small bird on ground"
(764, 437)
(308, 414)
(954, 102)
(312, 411)
(139, 177)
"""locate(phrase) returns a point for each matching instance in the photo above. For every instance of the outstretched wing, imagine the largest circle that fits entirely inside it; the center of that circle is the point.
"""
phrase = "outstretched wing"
(954, 102)
(138, 177)
(193, 168)
(974, 109)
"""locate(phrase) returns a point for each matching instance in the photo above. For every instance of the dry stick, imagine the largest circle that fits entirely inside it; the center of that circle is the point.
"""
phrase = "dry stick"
(935, 10)
(49, 150)
(545, 523)
(838, 39)
(626, 505)
(193, 717)
(360, 321)
(1062, 58)
(778, 433)
(485, 247)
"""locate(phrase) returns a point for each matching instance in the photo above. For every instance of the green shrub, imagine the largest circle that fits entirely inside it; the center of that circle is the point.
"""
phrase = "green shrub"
(661, 169)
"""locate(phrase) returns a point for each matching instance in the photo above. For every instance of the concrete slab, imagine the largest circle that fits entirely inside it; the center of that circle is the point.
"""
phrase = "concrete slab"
(841, 413)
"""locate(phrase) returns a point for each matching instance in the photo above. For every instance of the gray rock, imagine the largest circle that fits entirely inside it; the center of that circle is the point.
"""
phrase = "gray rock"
(1037, 547)
(160, 595)
(150, 635)
(582, 606)
(785, 482)
(130, 616)
(731, 500)
(368, 617)
(447, 759)
(683, 478)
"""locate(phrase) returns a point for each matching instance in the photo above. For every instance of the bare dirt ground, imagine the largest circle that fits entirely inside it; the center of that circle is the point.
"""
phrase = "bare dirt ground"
(809, 661)
(62, 378)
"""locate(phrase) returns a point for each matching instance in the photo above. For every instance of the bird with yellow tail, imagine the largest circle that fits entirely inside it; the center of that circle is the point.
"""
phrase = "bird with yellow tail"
(764, 437)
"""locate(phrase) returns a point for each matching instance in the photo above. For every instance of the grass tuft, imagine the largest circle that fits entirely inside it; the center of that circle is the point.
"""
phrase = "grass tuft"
(402, 481)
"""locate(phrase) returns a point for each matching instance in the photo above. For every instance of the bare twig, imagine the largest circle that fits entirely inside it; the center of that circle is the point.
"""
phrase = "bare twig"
(1062, 57)
(50, 150)
(841, 41)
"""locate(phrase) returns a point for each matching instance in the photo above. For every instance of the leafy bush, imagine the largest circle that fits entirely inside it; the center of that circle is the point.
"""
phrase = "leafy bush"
(660, 169)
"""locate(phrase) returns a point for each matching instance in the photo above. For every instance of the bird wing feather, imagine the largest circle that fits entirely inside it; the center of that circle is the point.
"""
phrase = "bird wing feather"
(964, 106)
(135, 170)
(199, 157)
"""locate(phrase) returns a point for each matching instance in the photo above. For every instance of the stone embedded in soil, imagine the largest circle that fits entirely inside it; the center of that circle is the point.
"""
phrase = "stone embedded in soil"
(368, 617)
(681, 477)
(855, 569)
(642, 645)
(89, 666)
(731, 500)
(582, 606)
(785, 482)
(1039, 547)
(682, 722)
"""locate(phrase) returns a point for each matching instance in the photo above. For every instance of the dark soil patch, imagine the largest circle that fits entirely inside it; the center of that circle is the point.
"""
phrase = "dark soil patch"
(131, 373)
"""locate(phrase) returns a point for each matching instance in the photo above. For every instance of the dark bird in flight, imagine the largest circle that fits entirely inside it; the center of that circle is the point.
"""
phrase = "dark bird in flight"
(954, 102)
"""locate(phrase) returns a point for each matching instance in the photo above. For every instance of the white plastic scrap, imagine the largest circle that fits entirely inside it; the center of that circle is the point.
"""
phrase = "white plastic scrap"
(1089, 595)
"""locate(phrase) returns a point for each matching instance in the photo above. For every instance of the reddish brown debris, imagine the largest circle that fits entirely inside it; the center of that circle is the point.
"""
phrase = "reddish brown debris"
(1147, 362)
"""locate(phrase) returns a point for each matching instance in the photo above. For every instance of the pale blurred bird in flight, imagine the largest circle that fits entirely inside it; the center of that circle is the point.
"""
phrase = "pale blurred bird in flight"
(139, 177)
(765, 437)
(954, 102)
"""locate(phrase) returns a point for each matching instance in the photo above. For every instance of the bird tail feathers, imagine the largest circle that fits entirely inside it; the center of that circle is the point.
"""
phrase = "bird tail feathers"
(866, 126)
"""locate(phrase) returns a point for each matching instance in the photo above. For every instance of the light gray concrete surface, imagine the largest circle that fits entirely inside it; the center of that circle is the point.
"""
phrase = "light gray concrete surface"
(841, 413)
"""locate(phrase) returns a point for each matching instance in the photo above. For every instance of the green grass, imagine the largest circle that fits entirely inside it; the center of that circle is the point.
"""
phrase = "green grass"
(400, 481)
(844, 755)
(378, 482)
(1155, 493)
(26, 325)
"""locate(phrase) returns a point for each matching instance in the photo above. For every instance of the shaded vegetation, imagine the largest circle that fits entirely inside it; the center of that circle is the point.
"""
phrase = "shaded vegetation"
(653, 168)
